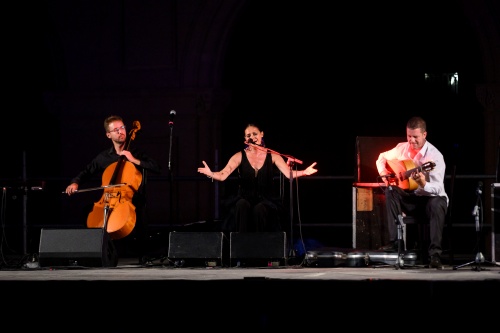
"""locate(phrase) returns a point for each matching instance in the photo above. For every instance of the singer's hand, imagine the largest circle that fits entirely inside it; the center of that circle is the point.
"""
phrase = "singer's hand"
(310, 169)
(205, 170)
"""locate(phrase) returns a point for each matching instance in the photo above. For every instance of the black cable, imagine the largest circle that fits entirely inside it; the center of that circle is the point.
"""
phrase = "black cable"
(3, 237)
(498, 162)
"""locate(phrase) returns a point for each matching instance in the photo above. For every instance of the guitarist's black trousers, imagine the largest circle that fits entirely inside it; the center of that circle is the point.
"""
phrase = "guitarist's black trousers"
(431, 208)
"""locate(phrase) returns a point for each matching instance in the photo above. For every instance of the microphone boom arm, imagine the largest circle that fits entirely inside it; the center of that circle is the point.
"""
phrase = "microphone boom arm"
(290, 158)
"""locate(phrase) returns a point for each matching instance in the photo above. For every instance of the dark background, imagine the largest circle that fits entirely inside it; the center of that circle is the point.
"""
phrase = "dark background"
(315, 75)
(317, 78)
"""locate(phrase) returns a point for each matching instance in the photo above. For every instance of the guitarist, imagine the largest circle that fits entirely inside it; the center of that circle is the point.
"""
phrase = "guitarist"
(428, 199)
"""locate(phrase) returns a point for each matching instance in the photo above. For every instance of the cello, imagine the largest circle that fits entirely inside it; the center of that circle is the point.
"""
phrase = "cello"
(115, 211)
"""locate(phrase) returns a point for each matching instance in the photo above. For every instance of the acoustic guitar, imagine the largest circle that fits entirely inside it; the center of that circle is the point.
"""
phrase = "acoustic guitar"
(402, 171)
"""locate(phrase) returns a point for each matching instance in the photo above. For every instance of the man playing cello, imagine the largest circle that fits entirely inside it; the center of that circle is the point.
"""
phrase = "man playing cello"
(115, 164)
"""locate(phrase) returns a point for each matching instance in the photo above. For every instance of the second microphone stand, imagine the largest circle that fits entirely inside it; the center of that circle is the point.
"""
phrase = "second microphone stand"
(479, 259)
(400, 263)
(291, 163)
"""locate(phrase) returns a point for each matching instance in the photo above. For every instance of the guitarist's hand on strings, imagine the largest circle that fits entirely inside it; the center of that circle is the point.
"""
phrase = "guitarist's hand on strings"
(419, 178)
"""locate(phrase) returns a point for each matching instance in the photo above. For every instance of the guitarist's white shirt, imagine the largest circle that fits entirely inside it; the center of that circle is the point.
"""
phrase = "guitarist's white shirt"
(434, 185)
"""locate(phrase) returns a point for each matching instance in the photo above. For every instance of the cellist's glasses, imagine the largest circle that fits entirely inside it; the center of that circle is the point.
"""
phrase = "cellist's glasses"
(117, 130)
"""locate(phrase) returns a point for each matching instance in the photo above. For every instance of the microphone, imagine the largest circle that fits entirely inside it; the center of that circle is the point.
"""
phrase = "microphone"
(476, 217)
(479, 189)
(172, 116)
(475, 212)
(250, 141)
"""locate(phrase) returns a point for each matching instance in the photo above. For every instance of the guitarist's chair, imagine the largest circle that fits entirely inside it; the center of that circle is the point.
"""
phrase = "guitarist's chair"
(369, 213)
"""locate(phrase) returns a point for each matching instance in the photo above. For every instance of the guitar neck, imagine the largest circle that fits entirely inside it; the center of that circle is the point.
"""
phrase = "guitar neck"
(407, 174)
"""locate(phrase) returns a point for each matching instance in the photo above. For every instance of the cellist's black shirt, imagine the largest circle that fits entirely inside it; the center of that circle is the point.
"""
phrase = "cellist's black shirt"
(107, 157)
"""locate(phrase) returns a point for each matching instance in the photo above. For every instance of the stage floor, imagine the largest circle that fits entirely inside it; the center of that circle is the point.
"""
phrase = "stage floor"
(128, 269)
(259, 299)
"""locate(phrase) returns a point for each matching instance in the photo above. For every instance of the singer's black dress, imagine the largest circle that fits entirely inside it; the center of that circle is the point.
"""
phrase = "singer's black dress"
(255, 207)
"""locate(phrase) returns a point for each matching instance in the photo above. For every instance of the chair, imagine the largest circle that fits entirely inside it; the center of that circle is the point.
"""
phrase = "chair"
(369, 213)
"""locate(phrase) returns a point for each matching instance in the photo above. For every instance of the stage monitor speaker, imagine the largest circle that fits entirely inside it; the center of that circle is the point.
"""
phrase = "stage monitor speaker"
(91, 247)
(196, 248)
(250, 246)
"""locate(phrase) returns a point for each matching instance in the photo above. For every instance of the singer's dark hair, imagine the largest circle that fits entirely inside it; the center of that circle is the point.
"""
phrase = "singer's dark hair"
(417, 122)
(253, 124)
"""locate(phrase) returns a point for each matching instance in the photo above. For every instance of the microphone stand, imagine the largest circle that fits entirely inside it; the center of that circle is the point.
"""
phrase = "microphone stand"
(291, 251)
(291, 162)
(171, 125)
(170, 149)
(479, 259)
(399, 223)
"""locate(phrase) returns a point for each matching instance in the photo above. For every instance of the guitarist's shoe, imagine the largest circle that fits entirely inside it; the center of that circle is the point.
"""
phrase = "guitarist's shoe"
(435, 262)
(393, 246)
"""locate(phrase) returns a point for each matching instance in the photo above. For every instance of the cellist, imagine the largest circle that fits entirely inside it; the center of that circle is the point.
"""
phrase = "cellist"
(116, 131)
